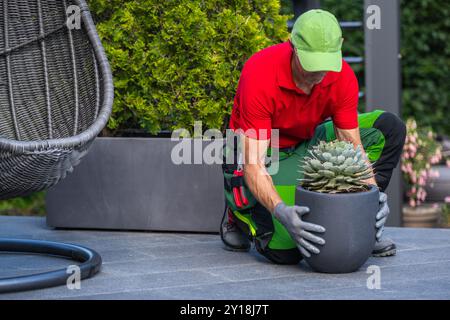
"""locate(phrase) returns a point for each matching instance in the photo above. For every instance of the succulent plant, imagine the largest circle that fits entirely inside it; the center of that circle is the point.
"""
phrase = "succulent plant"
(335, 167)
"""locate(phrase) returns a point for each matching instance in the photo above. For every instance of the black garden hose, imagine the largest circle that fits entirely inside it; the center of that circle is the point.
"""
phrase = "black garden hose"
(90, 263)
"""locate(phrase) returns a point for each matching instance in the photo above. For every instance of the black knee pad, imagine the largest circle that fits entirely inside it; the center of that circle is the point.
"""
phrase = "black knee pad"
(394, 131)
(392, 127)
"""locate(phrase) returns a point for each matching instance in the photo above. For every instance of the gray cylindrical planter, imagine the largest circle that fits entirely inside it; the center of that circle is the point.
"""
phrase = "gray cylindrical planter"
(438, 188)
(349, 220)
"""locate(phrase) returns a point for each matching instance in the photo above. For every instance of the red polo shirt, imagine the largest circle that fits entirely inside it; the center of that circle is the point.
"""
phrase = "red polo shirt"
(267, 98)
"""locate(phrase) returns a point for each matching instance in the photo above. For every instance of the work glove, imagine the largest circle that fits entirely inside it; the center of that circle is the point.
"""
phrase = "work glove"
(382, 215)
(291, 218)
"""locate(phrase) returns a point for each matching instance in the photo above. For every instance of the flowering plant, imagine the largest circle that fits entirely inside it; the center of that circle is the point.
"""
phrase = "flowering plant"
(420, 151)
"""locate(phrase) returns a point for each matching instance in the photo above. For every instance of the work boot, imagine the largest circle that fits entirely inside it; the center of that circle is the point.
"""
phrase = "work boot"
(233, 237)
(384, 248)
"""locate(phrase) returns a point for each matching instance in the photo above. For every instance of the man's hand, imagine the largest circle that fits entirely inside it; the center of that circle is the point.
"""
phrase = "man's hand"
(382, 215)
(300, 231)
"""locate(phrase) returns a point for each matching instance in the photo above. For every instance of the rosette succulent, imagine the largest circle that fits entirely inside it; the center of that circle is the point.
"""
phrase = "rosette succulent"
(335, 167)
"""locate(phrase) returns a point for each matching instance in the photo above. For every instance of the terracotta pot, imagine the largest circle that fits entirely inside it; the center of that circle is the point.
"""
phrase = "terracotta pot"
(423, 216)
(349, 220)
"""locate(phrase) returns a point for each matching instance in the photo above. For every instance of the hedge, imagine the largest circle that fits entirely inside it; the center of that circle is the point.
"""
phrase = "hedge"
(179, 61)
(425, 53)
(176, 62)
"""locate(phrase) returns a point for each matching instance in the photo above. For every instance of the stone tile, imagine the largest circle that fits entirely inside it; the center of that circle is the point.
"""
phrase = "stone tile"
(219, 291)
(423, 289)
(122, 255)
(133, 295)
(408, 257)
(197, 237)
(158, 265)
(332, 285)
(107, 283)
(121, 243)
(172, 264)
(188, 249)
(32, 262)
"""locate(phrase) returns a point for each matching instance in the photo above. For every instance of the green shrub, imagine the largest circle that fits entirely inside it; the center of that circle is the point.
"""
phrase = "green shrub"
(425, 53)
(425, 50)
(32, 205)
(178, 61)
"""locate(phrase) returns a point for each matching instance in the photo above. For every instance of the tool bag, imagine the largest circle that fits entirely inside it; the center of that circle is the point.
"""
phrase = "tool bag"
(238, 196)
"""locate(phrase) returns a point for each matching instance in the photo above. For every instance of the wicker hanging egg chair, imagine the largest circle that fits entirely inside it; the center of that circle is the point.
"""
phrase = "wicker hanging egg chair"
(56, 91)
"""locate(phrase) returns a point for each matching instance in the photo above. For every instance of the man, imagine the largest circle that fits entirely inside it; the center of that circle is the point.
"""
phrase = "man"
(294, 87)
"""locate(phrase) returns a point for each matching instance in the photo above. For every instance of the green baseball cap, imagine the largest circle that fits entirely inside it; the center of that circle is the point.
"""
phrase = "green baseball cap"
(317, 38)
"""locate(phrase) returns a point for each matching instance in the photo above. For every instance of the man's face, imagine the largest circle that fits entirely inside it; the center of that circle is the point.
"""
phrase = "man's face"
(309, 77)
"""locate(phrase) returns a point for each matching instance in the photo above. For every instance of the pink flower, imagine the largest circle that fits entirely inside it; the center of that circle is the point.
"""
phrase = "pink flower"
(422, 181)
(435, 159)
(419, 194)
(412, 203)
(423, 195)
(447, 199)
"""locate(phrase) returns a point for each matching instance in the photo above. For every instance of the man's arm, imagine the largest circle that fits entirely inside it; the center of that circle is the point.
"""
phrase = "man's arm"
(353, 136)
(261, 185)
(255, 174)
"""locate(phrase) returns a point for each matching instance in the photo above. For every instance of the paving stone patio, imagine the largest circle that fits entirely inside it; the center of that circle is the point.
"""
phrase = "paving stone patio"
(146, 265)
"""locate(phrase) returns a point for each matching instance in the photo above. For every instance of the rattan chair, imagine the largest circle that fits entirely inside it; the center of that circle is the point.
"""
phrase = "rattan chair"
(56, 92)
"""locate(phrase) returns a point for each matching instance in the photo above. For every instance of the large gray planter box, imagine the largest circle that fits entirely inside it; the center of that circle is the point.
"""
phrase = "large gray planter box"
(132, 184)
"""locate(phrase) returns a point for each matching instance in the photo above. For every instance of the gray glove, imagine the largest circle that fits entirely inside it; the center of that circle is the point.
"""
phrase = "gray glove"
(291, 219)
(382, 215)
